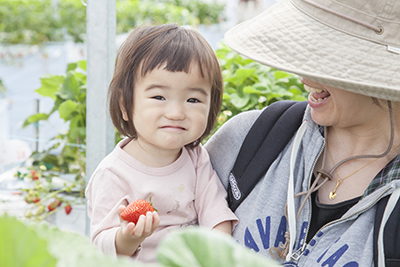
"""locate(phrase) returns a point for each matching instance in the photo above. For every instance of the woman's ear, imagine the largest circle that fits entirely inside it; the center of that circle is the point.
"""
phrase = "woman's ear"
(123, 110)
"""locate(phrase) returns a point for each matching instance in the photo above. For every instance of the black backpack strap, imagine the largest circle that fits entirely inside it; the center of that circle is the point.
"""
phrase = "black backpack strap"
(268, 136)
(391, 234)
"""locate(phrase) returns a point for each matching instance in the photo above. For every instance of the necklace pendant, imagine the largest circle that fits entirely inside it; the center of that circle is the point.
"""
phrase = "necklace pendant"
(332, 195)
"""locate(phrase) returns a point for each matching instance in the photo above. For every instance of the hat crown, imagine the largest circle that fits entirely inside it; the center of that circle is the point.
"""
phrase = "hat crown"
(354, 16)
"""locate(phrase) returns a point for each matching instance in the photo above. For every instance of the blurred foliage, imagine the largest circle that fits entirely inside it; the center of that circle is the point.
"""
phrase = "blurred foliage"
(40, 21)
(3, 89)
(37, 244)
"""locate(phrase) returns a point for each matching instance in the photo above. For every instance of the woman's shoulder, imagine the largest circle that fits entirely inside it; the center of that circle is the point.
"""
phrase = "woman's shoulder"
(226, 142)
(245, 118)
(238, 125)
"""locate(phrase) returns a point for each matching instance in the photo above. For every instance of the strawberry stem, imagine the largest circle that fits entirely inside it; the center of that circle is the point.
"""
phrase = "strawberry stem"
(152, 204)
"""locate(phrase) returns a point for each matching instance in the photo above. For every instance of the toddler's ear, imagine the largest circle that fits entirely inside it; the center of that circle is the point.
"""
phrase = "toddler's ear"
(122, 107)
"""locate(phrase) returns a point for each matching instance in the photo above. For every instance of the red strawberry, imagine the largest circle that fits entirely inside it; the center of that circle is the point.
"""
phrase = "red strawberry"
(29, 198)
(68, 209)
(133, 211)
(51, 206)
(34, 176)
(56, 203)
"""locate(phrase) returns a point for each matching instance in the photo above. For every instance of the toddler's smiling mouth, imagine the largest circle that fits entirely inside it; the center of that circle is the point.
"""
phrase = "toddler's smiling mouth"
(173, 127)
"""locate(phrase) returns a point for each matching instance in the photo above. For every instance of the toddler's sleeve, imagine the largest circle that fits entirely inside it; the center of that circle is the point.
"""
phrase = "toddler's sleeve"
(210, 194)
(105, 193)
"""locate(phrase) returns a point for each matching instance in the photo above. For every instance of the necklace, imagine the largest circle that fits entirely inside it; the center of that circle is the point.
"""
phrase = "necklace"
(332, 194)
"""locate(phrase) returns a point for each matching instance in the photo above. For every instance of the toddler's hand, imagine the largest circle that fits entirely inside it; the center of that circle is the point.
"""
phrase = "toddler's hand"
(144, 227)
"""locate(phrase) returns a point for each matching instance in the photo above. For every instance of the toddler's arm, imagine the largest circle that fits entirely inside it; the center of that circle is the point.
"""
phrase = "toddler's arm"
(130, 236)
(225, 227)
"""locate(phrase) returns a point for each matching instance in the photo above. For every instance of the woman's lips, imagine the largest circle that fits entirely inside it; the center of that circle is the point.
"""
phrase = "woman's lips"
(316, 94)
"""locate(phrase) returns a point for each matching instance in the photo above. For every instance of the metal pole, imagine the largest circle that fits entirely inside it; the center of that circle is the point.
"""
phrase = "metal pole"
(37, 125)
(101, 33)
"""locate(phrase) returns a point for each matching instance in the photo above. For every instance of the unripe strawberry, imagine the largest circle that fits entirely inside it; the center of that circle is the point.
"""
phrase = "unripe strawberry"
(40, 210)
(28, 214)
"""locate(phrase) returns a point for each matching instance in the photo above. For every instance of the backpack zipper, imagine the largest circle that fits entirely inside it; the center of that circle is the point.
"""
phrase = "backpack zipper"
(299, 252)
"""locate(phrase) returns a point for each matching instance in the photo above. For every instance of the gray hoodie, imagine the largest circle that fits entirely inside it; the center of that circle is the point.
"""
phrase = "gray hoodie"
(262, 223)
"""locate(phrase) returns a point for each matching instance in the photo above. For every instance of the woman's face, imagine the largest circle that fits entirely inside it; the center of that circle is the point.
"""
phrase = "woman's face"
(336, 107)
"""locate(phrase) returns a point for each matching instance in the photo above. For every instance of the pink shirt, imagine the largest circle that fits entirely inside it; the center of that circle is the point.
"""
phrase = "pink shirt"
(186, 192)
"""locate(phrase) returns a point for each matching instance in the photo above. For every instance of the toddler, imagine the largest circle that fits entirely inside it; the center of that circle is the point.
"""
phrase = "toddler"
(165, 96)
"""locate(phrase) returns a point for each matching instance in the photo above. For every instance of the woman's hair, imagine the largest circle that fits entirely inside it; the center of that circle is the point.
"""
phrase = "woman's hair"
(148, 48)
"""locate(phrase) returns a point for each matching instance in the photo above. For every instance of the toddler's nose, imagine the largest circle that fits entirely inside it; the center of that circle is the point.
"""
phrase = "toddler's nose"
(175, 112)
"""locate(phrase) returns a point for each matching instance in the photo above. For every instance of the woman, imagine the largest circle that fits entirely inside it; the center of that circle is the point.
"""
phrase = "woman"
(347, 53)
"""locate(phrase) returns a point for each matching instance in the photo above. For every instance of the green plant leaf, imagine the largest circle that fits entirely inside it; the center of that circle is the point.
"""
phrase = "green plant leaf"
(50, 84)
(299, 98)
(82, 64)
(78, 131)
(250, 90)
(21, 246)
(281, 75)
(238, 101)
(70, 87)
(35, 118)
(39, 245)
(243, 74)
(66, 108)
(199, 247)
(72, 249)
(71, 66)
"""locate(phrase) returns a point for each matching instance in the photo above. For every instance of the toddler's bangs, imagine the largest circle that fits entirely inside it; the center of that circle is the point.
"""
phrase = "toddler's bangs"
(177, 50)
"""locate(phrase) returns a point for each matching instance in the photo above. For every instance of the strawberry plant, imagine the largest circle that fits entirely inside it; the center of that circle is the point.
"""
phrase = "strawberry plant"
(69, 94)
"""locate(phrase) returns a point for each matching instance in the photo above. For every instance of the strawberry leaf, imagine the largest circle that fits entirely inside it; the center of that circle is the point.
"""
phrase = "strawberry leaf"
(21, 246)
(200, 247)
(38, 244)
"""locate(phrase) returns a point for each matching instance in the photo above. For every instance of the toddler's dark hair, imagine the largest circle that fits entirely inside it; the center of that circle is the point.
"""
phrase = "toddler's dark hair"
(148, 48)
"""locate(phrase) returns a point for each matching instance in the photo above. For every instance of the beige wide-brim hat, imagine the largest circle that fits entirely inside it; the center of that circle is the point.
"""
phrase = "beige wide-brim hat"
(349, 44)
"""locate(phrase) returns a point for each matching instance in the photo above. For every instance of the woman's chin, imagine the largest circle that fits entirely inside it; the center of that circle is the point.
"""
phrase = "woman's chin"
(317, 103)
(320, 117)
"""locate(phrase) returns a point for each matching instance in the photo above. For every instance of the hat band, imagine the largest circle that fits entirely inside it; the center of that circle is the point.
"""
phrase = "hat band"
(378, 30)
(379, 24)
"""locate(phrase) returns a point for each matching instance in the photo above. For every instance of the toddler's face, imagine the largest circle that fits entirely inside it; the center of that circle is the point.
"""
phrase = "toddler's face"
(171, 108)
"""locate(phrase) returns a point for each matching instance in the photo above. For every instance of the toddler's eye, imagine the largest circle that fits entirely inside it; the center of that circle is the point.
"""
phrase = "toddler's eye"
(158, 97)
(193, 100)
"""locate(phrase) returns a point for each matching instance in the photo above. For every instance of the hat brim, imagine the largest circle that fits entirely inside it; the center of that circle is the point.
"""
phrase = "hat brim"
(285, 38)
